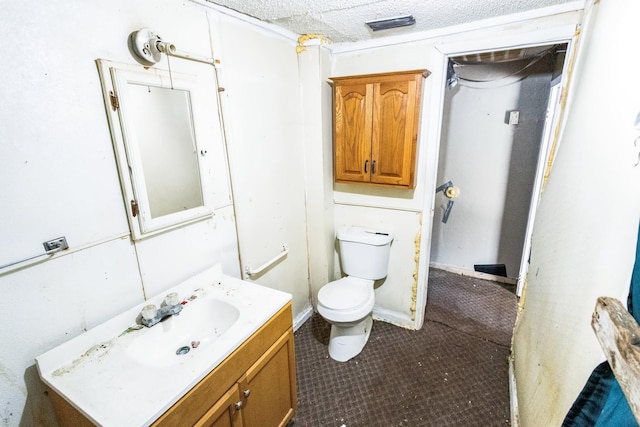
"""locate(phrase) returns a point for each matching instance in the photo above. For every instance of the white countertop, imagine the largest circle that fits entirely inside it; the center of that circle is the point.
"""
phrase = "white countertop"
(95, 373)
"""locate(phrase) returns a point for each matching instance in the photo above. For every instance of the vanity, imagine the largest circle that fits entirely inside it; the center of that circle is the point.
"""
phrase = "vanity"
(227, 359)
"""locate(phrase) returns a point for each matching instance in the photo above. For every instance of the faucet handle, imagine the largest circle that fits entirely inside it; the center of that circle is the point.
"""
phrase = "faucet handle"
(172, 299)
(149, 312)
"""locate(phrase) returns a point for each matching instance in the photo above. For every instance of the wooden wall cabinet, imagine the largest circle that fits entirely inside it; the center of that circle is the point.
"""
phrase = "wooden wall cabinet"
(375, 127)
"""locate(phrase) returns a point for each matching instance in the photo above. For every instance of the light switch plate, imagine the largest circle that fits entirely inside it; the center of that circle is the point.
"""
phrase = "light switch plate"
(514, 117)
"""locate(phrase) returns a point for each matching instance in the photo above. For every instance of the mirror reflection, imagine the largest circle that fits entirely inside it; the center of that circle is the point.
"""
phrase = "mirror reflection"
(162, 123)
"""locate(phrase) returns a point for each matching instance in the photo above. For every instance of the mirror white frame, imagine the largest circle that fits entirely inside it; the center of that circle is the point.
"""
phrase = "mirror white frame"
(136, 127)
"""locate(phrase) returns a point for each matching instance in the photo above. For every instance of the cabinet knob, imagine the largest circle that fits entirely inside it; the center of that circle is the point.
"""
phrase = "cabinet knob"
(373, 167)
(246, 393)
(238, 405)
(366, 162)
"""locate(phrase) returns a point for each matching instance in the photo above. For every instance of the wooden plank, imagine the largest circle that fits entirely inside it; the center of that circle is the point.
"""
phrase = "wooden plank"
(619, 336)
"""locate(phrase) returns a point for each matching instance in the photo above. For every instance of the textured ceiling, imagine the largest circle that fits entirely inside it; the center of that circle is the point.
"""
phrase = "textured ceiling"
(344, 20)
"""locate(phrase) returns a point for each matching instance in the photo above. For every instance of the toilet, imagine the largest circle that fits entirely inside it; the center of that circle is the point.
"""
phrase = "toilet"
(347, 303)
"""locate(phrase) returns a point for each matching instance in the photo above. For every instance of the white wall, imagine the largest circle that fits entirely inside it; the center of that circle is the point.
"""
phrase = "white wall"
(585, 233)
(314, 67)
(493, 164)
(266, 143)
(60, 178)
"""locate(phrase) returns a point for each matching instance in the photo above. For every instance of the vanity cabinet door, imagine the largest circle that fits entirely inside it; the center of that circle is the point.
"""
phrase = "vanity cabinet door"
(225, 412)
(269, 387)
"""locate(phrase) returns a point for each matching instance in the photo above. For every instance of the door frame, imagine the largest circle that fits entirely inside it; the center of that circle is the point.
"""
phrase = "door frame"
(565, 33)
(552, 117)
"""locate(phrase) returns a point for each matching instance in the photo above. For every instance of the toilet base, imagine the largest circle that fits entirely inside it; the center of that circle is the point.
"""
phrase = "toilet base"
(346, 342)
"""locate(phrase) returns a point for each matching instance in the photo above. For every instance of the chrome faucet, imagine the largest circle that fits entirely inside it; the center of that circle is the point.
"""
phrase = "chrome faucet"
(170, 307)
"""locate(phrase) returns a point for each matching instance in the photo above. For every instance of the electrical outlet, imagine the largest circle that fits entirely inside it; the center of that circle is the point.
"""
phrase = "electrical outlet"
(56, 245)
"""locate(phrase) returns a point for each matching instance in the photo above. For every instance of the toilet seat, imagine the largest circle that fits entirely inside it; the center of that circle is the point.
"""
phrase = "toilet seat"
(346, 300)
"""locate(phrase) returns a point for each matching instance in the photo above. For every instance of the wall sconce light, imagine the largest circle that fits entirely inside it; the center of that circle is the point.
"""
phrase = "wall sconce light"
(147, 46)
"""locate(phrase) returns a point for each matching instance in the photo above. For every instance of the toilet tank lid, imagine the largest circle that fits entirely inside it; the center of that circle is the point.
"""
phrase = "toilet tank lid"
(364, 235)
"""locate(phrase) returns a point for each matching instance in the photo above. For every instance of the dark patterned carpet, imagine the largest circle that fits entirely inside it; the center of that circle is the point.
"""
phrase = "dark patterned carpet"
(452, 372)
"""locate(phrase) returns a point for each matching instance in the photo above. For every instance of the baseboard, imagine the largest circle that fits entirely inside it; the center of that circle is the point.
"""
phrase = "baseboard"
(302, 317)
(381, 314)
(513, 394)
(393, 317)
(473, 273)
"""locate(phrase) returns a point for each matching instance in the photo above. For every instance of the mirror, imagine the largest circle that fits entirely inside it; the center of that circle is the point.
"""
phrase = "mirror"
(155, 136)
(167, 152)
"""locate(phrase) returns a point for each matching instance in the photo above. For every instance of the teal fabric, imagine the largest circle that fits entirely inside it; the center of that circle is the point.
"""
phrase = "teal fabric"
(591, 400)
(634, 293)
(601, 402)
(616, 411)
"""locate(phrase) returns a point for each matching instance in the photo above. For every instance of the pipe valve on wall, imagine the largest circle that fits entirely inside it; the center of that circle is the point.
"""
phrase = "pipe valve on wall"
(450, 192)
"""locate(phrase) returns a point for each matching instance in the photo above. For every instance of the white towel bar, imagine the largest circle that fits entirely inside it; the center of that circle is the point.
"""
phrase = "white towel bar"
(251, 272)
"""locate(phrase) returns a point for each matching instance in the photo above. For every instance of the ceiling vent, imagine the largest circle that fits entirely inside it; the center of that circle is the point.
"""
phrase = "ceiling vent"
(388, 23)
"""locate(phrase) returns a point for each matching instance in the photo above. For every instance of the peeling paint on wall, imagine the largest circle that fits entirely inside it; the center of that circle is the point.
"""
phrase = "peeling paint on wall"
(416, 258)
(305, 38)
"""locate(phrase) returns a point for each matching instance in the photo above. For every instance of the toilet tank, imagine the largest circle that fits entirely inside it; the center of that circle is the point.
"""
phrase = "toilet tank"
(364, 253)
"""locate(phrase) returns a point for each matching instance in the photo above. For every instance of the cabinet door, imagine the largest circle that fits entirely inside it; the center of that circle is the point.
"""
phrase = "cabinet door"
(352, 115)
(224, 413)
(269, 386)
(393, 144)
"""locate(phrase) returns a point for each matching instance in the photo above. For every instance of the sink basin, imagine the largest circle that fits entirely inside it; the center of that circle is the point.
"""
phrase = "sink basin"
(122, 373)
(197, 326)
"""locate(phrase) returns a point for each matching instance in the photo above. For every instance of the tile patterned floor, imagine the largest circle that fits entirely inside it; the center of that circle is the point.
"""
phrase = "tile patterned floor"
(452, 372)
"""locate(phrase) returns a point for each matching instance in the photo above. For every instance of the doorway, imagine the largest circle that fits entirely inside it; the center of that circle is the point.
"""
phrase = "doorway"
(493, 150)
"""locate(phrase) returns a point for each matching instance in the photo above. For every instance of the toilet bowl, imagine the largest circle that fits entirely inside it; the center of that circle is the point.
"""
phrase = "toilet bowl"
(347, 303)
